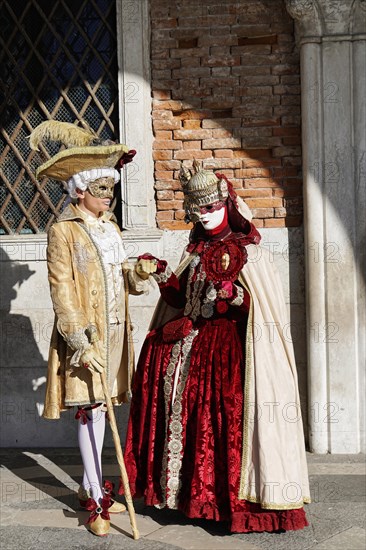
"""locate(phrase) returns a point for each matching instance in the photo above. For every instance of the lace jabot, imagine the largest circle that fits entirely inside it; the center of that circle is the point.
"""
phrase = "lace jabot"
(107, 239)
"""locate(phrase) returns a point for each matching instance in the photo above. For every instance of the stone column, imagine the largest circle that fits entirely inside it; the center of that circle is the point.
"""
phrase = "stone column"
(331, 34)
(133, 31)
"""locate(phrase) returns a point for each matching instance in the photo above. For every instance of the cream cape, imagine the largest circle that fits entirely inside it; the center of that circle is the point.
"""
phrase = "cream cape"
(274, 469)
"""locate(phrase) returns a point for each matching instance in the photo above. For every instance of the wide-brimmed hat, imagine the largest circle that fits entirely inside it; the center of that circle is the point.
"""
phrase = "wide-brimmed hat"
(69, 162)
(85, 151)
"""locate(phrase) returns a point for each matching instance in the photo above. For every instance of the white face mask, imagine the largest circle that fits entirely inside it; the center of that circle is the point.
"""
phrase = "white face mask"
(211, 220)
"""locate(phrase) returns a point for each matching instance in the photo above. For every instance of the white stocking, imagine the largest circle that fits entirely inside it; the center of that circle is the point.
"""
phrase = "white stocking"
(91, 437)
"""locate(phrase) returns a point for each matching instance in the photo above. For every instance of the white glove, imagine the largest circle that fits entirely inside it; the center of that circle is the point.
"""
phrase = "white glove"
(145, 268)
(91, 360)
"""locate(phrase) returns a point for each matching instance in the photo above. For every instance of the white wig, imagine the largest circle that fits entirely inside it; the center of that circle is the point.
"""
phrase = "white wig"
(81, 179)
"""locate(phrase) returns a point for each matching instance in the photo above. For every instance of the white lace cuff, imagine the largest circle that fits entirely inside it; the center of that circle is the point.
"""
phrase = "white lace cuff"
(164, 276)
(239, 299)
(77, 340)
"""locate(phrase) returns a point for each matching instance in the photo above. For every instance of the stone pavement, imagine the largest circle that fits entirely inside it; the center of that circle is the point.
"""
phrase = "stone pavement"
(39, 510)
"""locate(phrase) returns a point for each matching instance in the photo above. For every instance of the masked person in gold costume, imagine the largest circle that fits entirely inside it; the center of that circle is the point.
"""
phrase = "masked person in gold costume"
(90, 281)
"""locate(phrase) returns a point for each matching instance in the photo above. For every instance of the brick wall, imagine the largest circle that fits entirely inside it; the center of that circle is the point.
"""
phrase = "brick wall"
(226, 89)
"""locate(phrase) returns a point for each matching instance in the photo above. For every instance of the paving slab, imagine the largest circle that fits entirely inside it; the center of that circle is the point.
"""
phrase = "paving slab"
(323, 468)
(335, 458)
(39, 510)
(192, 537)
(350, 539)
(70, 519)
(290, 540)
(332, 489)
(19, 537)
(61, 538)
(327, 522)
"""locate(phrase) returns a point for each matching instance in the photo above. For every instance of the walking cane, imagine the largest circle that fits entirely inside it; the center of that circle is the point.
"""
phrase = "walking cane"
(121, 463)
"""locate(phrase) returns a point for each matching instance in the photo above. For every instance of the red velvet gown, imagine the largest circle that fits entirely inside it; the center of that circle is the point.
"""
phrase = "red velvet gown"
(184, 437)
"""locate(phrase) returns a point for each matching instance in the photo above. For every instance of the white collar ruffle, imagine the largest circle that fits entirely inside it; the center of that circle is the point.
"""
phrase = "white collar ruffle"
(107, 239)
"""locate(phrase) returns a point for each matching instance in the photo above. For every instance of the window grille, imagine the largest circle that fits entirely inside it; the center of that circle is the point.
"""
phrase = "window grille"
(58, 61)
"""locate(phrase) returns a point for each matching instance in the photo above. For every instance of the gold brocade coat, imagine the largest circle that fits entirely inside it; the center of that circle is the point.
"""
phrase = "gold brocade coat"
(79, 294)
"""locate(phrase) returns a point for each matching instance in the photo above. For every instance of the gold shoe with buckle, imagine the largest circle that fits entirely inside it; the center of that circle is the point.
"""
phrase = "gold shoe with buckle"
(115, 507)
(99, 519)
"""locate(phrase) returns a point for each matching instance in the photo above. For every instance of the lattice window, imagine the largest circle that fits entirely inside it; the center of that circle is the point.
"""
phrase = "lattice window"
(59, 62)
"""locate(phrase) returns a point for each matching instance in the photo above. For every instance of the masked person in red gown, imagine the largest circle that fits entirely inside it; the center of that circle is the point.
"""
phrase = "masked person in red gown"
(215, 427)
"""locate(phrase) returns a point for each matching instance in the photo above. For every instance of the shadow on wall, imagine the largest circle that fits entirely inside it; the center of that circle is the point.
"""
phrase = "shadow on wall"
(23, 373)
(296, 261)
(22, 367)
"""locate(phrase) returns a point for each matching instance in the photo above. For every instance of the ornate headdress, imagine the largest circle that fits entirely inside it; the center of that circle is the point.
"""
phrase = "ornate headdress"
(204, 187)
(200, 188)
(86, 158)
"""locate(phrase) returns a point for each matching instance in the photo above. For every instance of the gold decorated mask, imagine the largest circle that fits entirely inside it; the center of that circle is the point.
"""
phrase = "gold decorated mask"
(201, 188)
(102, 188)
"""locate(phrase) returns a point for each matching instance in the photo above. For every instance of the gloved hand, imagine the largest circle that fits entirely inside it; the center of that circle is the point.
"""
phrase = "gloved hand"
(91, 360)
(145, 268)
(148, 264)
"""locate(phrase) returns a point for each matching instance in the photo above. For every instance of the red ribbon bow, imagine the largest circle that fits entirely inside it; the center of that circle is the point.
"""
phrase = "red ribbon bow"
(97, 509)
(108, 488)
(82, 413)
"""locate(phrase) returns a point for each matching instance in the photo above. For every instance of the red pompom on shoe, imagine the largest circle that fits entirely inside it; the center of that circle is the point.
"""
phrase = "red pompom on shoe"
(108, 488)
(114, 507)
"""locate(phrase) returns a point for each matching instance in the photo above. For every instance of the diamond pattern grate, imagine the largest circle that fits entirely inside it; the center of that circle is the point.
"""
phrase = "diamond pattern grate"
(58, 61)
